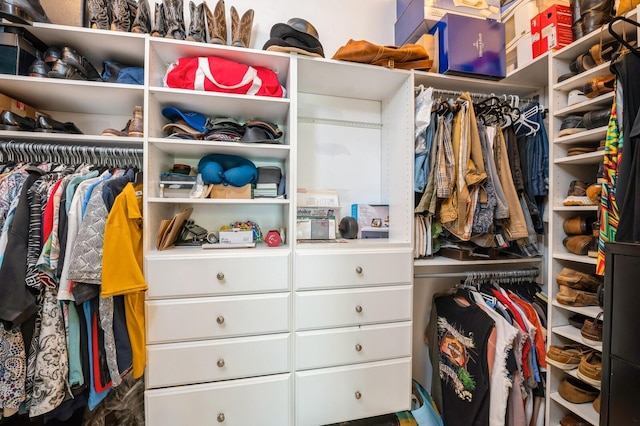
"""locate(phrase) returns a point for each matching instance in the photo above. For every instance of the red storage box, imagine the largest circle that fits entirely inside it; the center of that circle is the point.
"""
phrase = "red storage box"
(551, 29)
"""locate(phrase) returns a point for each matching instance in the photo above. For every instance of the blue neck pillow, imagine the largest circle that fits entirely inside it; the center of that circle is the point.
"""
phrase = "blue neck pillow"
(227, 170)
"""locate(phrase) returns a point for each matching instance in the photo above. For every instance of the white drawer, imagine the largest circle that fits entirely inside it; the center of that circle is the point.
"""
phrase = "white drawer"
(352, 392)
(216, 275)
(214, 360)
(352, 345)
(244, 402)
(209, 317)
(341, 308)
(317, 270)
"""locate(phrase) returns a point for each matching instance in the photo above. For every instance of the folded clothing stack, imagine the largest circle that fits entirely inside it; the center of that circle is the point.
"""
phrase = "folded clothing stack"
(193, 125)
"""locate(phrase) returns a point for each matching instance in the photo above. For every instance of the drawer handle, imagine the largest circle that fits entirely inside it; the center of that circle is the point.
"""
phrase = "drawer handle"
(220, 363)
(358, 269)
(220, 417)
(359, 309)
(220, 320)
(358, 347)
(220, 277)
(358, 395)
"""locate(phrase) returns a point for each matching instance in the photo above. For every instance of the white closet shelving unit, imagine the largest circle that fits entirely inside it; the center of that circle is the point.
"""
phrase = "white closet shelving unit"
(237, 336)
(563, 170)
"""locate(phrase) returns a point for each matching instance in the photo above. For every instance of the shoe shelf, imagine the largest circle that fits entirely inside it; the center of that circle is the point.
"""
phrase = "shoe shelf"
(446, 261)
(582, 159)
(592, 135)
(582, 45)
(572, 333)
(239, 107)
(586, 410)
(590, 311)
(598, 102)
(578, 81)
(95, 45)
(69, 139)
(577, 209)
(576, 257)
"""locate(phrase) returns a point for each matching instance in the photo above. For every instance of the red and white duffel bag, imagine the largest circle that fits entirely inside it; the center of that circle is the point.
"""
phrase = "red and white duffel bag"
(215, 74)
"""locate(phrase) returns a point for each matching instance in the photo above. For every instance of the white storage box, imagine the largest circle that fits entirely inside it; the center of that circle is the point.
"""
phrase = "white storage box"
(235, 236)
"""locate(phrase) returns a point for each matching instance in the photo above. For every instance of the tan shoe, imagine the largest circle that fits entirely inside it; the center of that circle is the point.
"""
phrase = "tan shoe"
(578, 225)
(577, 244)
(571, 297)
(566, 357)
(217, 23)
(590, 369)
(136, 126)
(578, 280)
(241, 28)
(591, 331)
(576, 391)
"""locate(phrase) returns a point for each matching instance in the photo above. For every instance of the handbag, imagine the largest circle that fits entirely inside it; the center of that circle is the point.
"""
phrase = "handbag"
(426, 414)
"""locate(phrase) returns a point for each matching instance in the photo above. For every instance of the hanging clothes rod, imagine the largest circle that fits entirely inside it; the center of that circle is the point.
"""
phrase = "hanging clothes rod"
(475, 95)
(31, 151)
(515, 273)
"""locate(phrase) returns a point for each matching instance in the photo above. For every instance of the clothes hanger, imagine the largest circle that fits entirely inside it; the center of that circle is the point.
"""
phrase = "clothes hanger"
(622, 39)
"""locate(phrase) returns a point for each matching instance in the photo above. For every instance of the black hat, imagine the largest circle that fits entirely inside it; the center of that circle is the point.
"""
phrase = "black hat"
(297, 35)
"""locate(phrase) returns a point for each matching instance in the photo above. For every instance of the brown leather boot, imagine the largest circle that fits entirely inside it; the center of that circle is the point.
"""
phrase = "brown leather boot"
(174, 16)
(241, 28)
(197, 27)
(136, 127)
(218, 24)
(142, 21)
(120, 18)
(159, 24)
(98, 13)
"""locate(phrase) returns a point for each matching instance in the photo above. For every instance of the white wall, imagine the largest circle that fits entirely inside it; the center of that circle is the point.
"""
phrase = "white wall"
(336, 20)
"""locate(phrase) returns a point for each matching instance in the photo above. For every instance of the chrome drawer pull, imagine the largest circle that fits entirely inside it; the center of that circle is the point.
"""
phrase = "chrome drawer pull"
(220, 320)
(358, 309)
(220, 363)
(220, 277)
(220, 417)
(358, 347)
(358, 395)
(358, 269)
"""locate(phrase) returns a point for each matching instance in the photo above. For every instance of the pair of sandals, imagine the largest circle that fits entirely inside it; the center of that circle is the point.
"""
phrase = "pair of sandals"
(64, 63)
(597, 54)
(14, 122)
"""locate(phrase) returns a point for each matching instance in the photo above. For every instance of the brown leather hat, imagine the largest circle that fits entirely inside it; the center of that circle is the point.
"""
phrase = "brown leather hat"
(297, 35)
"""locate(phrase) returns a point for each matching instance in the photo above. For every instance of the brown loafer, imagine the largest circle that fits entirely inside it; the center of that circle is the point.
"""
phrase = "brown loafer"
(579, 280)
(577, 244)
(571, 297)
(578, 225)
(571, 420)
(591, 331)
(577, 392)
(566, 357)
(590, 369)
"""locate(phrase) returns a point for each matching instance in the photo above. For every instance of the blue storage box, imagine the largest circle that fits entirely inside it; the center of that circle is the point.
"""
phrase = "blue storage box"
(416, 17)
(471, 47)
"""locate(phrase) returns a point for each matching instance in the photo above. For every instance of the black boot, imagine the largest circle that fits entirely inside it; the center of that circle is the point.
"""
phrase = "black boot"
(23, 11)
(142, 21)
(159, 24)
(197, 27)
(120, 19)
(98, 14)
(174, 17)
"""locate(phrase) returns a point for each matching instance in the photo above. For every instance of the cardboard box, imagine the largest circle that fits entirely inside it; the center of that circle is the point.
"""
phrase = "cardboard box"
(373, 220)
(551, 29)
(519, 52)
(235, 236)
(420, 15)
(229, 191)
(517, 21)
(15, 106)
(471, 47)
